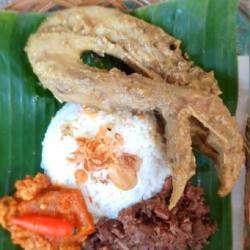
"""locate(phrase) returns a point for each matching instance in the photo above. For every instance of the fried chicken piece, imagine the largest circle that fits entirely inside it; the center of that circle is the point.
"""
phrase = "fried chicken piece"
(54, 52)
(37, 196)
(9, 209)
(145, 47)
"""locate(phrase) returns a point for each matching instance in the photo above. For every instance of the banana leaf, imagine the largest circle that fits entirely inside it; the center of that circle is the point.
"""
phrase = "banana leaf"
(207, 29)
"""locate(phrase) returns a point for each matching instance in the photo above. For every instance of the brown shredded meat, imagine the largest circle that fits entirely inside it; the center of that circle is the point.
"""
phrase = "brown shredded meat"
(149, 225)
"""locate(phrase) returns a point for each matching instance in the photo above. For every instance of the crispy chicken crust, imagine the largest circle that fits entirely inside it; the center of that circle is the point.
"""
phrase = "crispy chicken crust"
(146, 48)
(9, 209)
(37, 195)
(182, 93)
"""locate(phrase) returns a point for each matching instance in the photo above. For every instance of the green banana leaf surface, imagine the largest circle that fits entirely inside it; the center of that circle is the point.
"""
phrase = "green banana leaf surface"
(207, 29)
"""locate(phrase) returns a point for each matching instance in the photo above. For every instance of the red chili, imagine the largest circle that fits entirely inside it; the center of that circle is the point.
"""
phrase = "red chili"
(45, 225)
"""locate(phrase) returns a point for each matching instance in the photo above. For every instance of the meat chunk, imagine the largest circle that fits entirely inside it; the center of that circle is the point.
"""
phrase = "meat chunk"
(36, 197)
(165, 82)
(151, 225)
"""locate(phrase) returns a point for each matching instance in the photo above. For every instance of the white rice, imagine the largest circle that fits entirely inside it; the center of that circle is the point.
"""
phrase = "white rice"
(140, 138)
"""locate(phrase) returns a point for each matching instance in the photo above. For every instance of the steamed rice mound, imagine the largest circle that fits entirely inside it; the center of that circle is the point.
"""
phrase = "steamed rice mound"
(140, 137)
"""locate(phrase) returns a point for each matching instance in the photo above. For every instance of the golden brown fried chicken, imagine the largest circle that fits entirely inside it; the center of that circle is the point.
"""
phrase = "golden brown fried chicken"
(54, 52)
(41, 209)
(146, 48)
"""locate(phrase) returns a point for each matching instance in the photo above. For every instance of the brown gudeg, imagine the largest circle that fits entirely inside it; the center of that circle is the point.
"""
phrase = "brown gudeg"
(150, 225)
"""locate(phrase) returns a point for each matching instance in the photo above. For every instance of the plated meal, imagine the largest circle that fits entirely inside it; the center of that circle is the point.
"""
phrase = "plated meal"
(117, 157)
